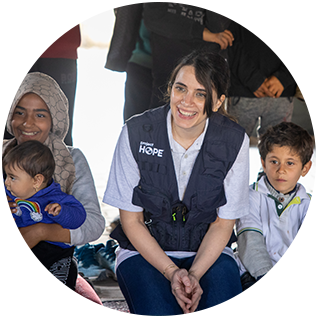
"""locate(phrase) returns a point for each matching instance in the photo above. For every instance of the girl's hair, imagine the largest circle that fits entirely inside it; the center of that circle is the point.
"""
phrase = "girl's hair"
(211, 70)
(33, 157)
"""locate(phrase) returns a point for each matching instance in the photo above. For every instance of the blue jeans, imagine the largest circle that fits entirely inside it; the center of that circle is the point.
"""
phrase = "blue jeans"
(148, 292)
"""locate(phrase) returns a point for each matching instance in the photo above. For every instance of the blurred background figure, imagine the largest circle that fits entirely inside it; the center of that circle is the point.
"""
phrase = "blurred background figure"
(175, 31)
(262, 89)
(306, 89)
(39, 35)
(130, 52)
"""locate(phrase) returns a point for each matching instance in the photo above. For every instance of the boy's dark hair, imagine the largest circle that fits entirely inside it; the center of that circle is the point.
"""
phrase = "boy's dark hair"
(33, 157)
(290, 135)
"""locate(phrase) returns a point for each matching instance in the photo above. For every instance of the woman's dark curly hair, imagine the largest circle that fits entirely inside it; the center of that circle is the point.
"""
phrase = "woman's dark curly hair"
(211, 70)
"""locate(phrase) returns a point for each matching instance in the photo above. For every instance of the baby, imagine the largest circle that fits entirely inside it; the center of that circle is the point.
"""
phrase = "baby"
(29, 168)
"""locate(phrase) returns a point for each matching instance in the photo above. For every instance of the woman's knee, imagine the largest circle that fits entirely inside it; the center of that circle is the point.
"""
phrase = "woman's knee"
(220, 283)
(145, 289)
(227, 265)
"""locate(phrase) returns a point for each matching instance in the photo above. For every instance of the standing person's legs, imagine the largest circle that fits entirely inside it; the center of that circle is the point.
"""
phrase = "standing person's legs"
(166, 54)
(138, 89)
(271, 110)
(275, 111)
(162, 64)
(246, 110)
(64, 71)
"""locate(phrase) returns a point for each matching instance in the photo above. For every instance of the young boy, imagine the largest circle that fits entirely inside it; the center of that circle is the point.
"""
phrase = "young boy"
(29, 168)
(278, 204)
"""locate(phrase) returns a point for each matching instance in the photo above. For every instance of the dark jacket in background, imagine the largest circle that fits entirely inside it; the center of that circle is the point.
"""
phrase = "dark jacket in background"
(182, 22)
(125, 35)
(271, 38)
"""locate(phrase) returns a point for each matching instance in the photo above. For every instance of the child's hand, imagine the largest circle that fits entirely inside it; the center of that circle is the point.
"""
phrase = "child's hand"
(292, 300)
(53, 209)
(275, 297)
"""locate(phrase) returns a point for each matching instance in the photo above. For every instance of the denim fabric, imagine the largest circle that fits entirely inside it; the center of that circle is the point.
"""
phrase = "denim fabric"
(148, 292)
(256, 302)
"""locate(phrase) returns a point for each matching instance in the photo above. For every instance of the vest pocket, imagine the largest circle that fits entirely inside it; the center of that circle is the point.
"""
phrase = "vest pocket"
(153, 201)
(204, 205)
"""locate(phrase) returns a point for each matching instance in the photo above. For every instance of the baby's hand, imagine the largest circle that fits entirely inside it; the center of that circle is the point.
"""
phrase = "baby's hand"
(53, 209)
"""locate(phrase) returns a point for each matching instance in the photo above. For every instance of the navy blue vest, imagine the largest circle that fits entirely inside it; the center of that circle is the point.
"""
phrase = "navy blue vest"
(176, 225)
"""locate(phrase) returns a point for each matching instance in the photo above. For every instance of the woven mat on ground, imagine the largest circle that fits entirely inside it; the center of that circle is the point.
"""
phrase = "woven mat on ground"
(116, 308)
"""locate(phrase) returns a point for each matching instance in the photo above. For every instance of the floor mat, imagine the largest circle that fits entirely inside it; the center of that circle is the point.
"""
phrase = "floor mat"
(116, 308)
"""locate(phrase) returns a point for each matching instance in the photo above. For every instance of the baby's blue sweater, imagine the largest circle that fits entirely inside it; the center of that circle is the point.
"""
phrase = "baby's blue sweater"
(31, 211)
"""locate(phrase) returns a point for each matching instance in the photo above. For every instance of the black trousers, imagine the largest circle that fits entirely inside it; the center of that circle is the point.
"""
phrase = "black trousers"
(166, 54)
(138, 89)
(64, 71)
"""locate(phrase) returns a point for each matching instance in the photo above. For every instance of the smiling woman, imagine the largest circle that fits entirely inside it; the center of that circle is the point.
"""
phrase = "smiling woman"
(188, 106)
(178, 209)
(39, 112)
(31, 119)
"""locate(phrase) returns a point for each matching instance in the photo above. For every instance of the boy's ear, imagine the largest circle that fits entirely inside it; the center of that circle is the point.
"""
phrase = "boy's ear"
(306, 168)
(38, 180)
(263, 165)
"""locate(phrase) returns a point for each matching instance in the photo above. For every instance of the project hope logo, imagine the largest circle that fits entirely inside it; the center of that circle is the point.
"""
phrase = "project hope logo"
(149, 149)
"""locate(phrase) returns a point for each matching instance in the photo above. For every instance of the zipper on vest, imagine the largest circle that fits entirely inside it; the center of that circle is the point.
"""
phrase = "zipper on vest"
(178, 225)
(175, 211)
(184, 212)
(178, 216)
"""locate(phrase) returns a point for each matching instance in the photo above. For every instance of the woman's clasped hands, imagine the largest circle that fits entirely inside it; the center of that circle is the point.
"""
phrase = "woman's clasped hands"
(186, 289)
